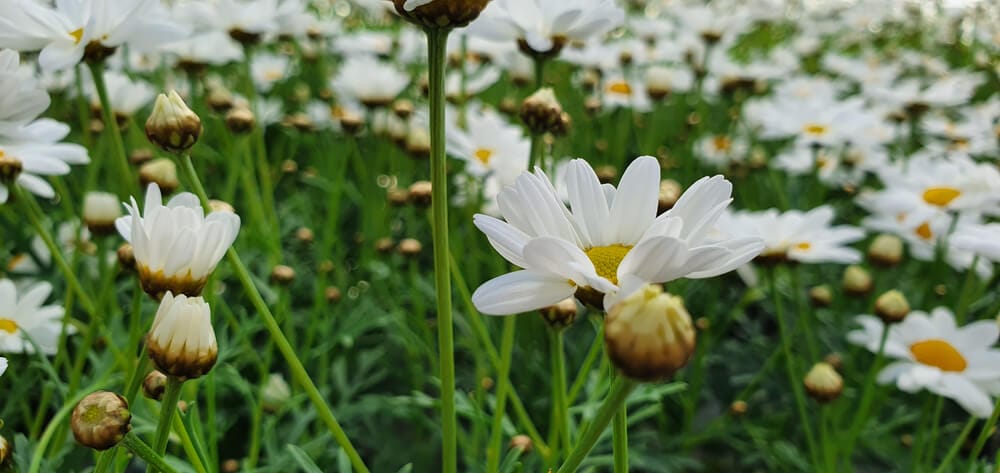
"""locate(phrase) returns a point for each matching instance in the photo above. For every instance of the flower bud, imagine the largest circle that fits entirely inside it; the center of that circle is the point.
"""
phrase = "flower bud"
(440, 14)
(126, 257)
(172, 125)
(857, 281)
(418, 142)
(410, 247)
(738, 408)
(332, 294)
(231, 465)
(282, 275)
(892, 307)
(101, 420)
(648, 334)
(659, 82)
(670, 191)
(521, 442)
(100, 209)
(823, 383)
(182, 341)
(821, 296)
(420, 193)
(219, 99)
(6, 452)
(240, 119)
(542, 113)
(886, 250)
(162, 172)
(275, 393)
(154, 385)
(10, 168)
(561, 315)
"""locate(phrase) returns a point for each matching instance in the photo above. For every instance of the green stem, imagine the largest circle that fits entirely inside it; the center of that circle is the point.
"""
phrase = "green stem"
(437, 43)
(503, 382)
(620, 434)
(868, 390)
(111, 128)
(794, 377)
(619, 392)
(141, 450)
(560, 408)
(535, 156)
(298, 371)
(985, 433)
(588, 363)
(189, 449)
(953, 451)
(168, 406)
(58, 420)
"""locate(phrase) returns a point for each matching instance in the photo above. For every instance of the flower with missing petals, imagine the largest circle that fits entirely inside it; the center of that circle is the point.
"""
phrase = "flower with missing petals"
(176, 245)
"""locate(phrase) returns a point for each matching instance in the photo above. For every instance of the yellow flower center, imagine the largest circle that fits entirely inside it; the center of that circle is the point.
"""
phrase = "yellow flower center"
(804, 246)
(77, 35)
(722, 143)
(9, 326)
(938, 353)
(606, 260)
(815, 129)
(484, 155)
(620, 88)
(273, 75)
(924, 231)
(941, 196)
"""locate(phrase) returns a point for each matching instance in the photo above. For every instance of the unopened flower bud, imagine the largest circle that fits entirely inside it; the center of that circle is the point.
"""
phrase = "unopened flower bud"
(440, 14)
(101, 420)
(410, 247)
(659, 82)
(521, 442)
(161, 171)
(398, 197)
(403, 108)
(542, 113)
(282, 275)
(231, 465)
(100, 209)
(6, 452)
(857, 280)
(182, 341)
(670, 191)
(10, 168)
(606, 174)
(418, 142)
(275, 393)
(332, 294)
(219, 99)
(240, 119)
(126, 257)
(823, 383)
(892, 307)
(738, 408)
(384, 245)
(305, 235)
(561, 315)
(886, 250)
(141, 156)
(420, 193)
(821, 296)
(154, 385)
(648, 334)
(172, 125)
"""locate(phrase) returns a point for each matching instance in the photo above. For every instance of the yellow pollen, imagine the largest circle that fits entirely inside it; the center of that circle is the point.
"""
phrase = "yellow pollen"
(77, 35)
(924, 231)
(940, 354)
(804, 246)
(484, 155)
(606, 260)
(620, 87)
(815, 129)
(941, 196)
(722, 143)
(273, 75)
(8, 326)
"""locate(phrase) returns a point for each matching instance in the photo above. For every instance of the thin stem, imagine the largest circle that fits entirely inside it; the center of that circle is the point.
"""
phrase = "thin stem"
(620, 433)
(54, 425)
(298, 371)
(867, 389)
(619, 392)
(111, 128)
(189, 449)
(560, 408)
(588, 363)
(168, 406)
(437, 44)
(953, 451)
(141, 450)
(985, 433)
(503, 383)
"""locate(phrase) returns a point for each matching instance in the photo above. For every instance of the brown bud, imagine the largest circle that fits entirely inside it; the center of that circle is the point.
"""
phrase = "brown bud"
(172, 125)
(154, 385)
(219, 99)
(892, 306)
(441, 14)
(561, 315)
(398, 197)
(823, 383)
(240, 119)
(126, 257)
(821, 296)
(670, 191)
(403, 109)
(101, 420)
(648, 334)
(231, 466)
(141, 156)
(305, 235)
(738, 408)
(521, 442)
(282, 275)
(886, 250)
(420, 193)
(857, 281)
(163, 172)
(332, 294)
(542, 113)
(384, 245)
(410, 247)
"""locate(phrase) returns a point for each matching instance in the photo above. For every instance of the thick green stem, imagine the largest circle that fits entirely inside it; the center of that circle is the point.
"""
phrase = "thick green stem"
(111, 129)
(620, 433)
(141, 450)
(503, 383)
(298, 371)
(437, 44)
(168, 406)
(620, 390)
(560, 408)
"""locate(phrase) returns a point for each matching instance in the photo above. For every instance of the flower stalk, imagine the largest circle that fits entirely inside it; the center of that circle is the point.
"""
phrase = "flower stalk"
(619, 392)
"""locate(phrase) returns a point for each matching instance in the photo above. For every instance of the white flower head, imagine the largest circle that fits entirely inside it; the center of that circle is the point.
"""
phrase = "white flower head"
(932, 353)
(182, 341)
(612, 239)
(807, 237)
(176, 245)
(369, 81)
(24, 319)
(545, 25)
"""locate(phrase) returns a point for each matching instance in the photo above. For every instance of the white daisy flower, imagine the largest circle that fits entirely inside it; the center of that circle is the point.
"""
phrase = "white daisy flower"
(488, 143)
(981, 239)
(721, 151)
(24, 318)
(620, 92)
(806, 237)
(953, 182)
(181, 341)
(126, 95)
(544, 25)
(267, 69)
(176, 246)
(932, 353)
(369, 81)
(612, 239)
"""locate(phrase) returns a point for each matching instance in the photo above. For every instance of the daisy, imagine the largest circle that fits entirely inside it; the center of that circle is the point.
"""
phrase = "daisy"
(369, 81)
(611, 239)
(619, 92)
(71, 29)
(806, 237)
(267, 69)
(3, 365)
(721, 151)
(949, 183)
(488, 144)
(544, 26)
(176, 246)
(933, 353)
(126, 95)
(24, 319)
(981, 239)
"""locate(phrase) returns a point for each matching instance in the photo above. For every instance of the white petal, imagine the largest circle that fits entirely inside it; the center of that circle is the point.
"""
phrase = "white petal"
(520, 291)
